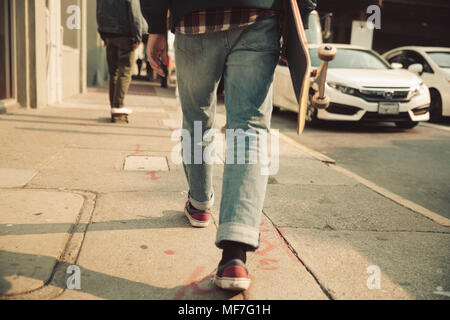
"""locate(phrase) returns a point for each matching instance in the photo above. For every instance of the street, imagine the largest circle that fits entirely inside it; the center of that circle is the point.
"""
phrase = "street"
(410, 163)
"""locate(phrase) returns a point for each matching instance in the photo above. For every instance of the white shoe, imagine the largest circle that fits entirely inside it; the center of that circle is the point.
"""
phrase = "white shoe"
(121, 111)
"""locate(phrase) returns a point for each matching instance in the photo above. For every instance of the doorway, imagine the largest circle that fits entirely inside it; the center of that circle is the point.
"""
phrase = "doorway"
(5, 50)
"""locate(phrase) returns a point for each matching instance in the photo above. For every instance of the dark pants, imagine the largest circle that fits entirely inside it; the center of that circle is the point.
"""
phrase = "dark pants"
(120, 56)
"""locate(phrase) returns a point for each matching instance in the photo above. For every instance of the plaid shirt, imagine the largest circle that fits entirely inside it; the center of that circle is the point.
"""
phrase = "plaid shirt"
(214, 20)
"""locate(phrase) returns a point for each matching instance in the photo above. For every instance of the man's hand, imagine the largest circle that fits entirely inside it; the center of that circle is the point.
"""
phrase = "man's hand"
(157, 52)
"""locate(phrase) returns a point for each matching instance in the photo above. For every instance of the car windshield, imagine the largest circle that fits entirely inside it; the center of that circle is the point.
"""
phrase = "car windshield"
(442, 59)
(351, 59)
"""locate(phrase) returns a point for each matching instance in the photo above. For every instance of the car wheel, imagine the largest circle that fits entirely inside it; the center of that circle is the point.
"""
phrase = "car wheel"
(311, 114)
(435, 106)
(406, 124)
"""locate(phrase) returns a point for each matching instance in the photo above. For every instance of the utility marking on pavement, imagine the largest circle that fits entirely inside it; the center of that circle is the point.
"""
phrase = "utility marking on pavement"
(191, 283)
(319, 156)
(264, 264)
(169, 252)
(269, 247)
(138, 150)
(435, 126)
(394, 197)
(153, 176)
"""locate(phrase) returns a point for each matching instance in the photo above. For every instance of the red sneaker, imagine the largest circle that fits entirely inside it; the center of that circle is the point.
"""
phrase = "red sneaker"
(197, 218)
(233, 275)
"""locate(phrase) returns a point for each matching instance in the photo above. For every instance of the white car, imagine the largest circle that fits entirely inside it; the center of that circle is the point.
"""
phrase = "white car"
(361, 86)
(433, 66)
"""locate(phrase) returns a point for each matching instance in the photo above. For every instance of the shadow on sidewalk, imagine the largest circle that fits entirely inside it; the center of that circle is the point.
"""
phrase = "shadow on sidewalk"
(106, 286)
(93, 132)
(100, 122)
(169, 220)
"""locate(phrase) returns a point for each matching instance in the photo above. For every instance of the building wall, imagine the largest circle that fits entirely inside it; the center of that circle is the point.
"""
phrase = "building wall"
(33, 55)
(97, 71)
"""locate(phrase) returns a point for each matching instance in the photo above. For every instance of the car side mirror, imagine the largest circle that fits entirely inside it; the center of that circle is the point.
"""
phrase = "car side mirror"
(416, 68)
(396, 66)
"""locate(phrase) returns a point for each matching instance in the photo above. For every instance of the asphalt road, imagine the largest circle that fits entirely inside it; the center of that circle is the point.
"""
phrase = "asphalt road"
(414, 164)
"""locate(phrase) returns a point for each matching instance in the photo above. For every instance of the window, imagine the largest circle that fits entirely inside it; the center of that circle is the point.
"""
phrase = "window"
(409, 57)
(351, 59)
(442, 59)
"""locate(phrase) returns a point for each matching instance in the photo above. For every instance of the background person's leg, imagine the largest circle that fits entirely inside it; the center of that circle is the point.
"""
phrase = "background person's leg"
(200, 60)
(112, 57)
(248, 98)
(126, 56)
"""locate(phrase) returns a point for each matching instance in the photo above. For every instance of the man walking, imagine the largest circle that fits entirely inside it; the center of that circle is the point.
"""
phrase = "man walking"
(121, 26)
(240, 40)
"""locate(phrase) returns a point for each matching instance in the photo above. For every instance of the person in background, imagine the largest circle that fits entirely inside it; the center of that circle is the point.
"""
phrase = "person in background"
(121, 26)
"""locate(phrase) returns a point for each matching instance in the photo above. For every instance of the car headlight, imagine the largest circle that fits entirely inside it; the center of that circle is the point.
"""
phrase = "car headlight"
(343, 89)
(418, 90)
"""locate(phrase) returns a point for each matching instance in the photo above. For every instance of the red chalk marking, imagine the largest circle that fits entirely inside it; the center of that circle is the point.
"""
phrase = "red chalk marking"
(194, 285)
(266, 262)
(169, 252)
(138, 149)
(153, 176)
(269, 247)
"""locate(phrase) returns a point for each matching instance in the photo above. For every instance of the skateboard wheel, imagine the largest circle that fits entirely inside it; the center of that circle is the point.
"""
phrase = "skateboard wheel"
(320, 103)
(327, 53)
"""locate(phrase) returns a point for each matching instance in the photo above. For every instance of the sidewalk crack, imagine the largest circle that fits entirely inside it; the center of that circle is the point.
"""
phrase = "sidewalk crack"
(296, 254)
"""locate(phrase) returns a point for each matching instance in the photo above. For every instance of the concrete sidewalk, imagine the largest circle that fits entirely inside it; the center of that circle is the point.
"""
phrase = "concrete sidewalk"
(66, 199)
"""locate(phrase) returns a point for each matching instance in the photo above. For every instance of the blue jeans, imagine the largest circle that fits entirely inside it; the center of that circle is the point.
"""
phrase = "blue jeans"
(247, 58)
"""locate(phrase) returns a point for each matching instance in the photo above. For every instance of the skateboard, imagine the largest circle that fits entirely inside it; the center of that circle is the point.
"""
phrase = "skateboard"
(299, 63)
(119, 117)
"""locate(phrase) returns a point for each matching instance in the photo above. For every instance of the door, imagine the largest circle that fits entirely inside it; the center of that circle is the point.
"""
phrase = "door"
(5, 51)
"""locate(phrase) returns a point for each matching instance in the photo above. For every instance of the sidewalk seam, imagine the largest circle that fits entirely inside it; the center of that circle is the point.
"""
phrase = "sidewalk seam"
(61, 258)
(296, 254)
(90, 211)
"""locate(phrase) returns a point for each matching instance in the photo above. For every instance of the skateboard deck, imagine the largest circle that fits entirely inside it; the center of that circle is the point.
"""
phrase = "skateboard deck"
(298, 59)
(119, 118)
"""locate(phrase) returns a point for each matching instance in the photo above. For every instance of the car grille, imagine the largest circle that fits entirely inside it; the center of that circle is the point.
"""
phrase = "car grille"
(337, 108)
(383, 95)
(375, 116)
